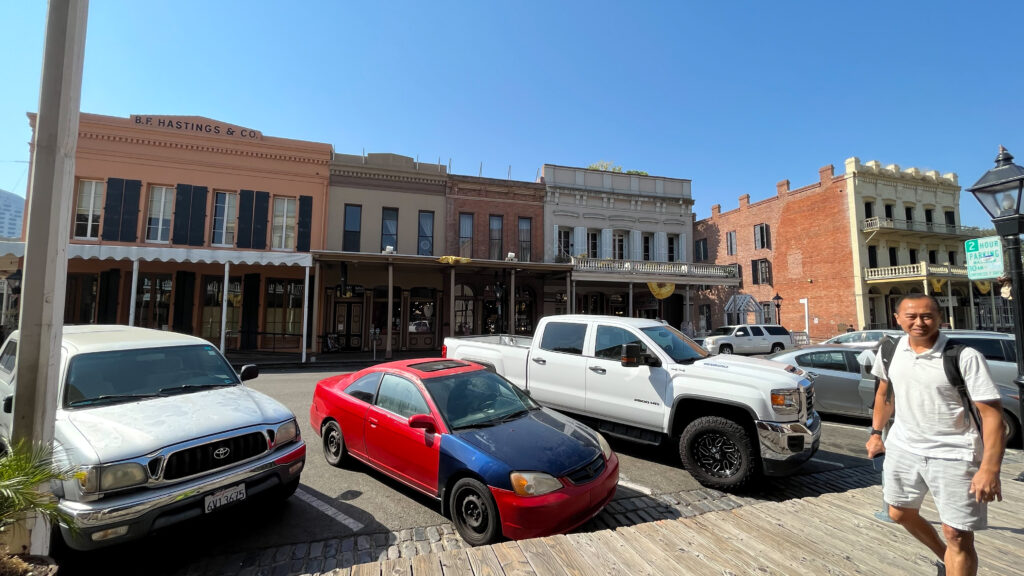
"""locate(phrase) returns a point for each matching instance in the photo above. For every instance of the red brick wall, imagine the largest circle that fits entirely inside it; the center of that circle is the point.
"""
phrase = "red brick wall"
(484, 197)
(811, 254)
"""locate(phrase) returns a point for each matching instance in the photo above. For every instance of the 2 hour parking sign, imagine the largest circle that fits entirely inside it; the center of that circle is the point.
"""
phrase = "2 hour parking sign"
(984, 258)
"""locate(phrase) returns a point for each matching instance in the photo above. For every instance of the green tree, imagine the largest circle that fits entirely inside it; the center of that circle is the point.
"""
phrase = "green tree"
(637, 172)
(25, 475)
(605, 166)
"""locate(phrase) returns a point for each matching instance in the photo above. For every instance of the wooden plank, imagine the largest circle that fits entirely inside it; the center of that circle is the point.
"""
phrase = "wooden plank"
(455, 563)
(662, 561)
(604, 563)
(396, 567)
(513, 561)
(571, 561)
(623, 554)
(737, 560)
(541, 558)
(484, 562)
(426, 565)
(738, 535)
(367, 569)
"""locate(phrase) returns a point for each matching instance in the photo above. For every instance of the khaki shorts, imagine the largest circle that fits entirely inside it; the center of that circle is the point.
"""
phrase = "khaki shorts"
(908, 477)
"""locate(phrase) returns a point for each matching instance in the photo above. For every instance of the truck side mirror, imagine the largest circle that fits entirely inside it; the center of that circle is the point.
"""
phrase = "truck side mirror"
(630, 355)
(249, 371)
(8, 404)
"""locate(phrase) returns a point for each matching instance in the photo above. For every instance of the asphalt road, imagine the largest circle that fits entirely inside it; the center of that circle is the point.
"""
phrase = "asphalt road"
(337, 503)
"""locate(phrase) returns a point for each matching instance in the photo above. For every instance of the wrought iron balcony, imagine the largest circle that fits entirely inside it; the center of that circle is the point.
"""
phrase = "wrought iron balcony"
(885, 224)
(650, 268)
(919, 270)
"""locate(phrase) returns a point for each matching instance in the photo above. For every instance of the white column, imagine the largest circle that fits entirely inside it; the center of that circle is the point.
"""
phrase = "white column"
(568, 293)
(451, 301)
(305, 314)
(318, 293)
(44, 280)
(553, 257)
(391, 298)
(512, 302)
(134, 295)
(973, 324)
(949, 303)
(224, 306)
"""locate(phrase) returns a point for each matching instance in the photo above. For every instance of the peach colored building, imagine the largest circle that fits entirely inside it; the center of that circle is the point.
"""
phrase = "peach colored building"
(167, 210)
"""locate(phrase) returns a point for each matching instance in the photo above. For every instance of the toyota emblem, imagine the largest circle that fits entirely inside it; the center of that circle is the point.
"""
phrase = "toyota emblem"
(221, 453)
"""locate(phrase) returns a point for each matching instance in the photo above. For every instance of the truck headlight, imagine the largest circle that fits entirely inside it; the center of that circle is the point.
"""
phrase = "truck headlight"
(605, 448)
(286, 433)
(106, 478)
(786, 401)
(534, 483)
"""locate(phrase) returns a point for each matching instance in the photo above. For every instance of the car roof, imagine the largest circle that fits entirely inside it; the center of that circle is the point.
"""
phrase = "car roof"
(427, 368)
(980, 333)
(635, 322)
(105, 337)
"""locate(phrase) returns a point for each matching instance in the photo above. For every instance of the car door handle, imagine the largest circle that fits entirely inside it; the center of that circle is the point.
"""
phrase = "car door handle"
(598, 370)
(540, 361)
(372, 422)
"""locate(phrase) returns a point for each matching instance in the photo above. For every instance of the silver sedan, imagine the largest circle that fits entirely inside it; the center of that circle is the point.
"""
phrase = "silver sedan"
(842, 385)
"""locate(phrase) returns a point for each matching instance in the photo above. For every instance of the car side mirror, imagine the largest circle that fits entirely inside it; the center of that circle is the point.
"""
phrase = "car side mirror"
(423, 421)
(630, 355)
(249, 371)
(8, 404)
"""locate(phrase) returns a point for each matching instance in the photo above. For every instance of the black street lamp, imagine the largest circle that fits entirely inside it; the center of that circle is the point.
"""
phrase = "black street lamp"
(778, 308)
(999, 190)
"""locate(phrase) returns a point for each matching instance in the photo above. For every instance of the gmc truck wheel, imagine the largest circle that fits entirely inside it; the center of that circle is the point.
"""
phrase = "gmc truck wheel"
(718, 453)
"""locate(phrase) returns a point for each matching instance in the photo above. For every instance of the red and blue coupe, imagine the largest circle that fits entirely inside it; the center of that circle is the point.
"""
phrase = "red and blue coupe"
(499, 463)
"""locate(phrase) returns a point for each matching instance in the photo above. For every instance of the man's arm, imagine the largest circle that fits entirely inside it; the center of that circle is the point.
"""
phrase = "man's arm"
(880, 416)
(985, 485)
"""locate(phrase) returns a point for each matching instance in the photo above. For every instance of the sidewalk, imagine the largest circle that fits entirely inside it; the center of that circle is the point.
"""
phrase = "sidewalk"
(330, 360)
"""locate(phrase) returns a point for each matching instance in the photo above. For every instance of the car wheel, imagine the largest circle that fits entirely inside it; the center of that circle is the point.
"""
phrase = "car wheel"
(474, 513)
(719, 453)
(777, 347)
(725, 349)
(1011, 428)
(334, 444)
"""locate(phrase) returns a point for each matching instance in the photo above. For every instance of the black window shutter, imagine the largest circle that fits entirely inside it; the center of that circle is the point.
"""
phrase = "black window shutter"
(767, 237)
(130, 211)
(244, 237)
(768, 266)
(182, 211)
(305, 223)
(197, 221)
(112, 209)
(260, 208)
(754, 272)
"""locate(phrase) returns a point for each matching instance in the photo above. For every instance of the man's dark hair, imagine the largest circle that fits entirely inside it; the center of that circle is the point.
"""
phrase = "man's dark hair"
(918, 297)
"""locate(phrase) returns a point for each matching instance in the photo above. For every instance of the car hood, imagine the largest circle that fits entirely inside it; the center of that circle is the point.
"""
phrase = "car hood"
(542, 441)
(132, 429)
(744, 369)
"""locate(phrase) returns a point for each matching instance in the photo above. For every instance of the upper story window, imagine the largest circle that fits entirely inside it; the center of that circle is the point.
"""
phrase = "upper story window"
(565, 248)
(466, 235)
(619, 245)
(283, 231)
(950, 220)
(872, 256)
(224, 220)
(761, 271)
(673, 248)
(495, 231)
(952, 258)
(700, 250)
(933, 257)
(389, 228)
(90, 205)
(928, 215)
(913, 256)
(894, 257)
(648, 248)
(593, 244)
(525, 236)
(869, 209)
(762, 237)
(161, 206)
(908, 212)
(730, 242)
(353, 228)
(425, 238)
(888, 211)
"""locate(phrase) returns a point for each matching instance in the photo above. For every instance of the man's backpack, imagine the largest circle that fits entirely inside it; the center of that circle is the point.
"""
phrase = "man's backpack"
(950, 364)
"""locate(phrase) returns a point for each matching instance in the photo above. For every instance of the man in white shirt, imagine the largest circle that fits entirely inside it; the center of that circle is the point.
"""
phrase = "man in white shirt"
(934, 445)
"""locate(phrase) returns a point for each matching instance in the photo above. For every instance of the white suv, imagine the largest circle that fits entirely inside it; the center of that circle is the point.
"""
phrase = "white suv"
(748, 339)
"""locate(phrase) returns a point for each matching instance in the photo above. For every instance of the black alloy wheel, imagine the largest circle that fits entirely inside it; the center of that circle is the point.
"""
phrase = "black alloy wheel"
(718, 452)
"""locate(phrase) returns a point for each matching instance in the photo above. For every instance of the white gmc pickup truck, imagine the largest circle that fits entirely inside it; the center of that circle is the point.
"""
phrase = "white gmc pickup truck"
(641, 380)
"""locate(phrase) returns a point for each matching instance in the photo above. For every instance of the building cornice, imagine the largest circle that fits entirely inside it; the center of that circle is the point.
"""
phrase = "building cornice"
(200, 147)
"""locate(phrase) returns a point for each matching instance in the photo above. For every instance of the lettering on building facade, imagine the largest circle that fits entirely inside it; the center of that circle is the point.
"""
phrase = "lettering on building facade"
(196, 125)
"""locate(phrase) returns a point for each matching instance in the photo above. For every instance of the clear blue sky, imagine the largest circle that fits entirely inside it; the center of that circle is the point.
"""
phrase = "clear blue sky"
(733, 96)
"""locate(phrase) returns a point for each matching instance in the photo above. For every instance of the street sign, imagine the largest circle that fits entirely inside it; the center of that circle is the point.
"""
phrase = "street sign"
(984, 257)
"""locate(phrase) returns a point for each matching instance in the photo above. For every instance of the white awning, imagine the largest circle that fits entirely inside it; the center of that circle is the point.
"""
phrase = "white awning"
(743, 303)
(169, 254)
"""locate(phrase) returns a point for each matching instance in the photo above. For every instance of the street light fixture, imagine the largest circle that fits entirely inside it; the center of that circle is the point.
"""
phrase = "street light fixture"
(778, 308)
(999, 190)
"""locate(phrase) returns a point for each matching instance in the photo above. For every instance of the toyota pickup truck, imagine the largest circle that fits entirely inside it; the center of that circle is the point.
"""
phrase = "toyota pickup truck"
(732, 418)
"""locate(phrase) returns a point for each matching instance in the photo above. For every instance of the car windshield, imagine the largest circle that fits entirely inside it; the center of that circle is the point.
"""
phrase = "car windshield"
(97, 378)
(722, 331)
(676, 344)
(476, 399)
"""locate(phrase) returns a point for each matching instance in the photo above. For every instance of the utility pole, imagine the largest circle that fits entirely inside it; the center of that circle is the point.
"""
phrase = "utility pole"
(49, 219)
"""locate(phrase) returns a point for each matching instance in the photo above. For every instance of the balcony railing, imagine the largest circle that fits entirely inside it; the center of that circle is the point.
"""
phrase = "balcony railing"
(877, 223)
(919, 270)
(660, 268)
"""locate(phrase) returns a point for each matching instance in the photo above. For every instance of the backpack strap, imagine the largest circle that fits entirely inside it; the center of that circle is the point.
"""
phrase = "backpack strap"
(886, 350)
(951, 365)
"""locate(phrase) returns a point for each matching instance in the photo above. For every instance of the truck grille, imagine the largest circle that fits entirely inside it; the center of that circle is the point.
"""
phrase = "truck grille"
(214, 455)
(587, 472)
(809, 398)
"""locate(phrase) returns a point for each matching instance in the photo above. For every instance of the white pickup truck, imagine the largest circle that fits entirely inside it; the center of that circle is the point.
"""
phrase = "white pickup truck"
(641, 380)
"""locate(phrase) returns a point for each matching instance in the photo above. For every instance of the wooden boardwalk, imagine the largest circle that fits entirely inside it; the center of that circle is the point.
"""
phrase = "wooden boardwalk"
(833, 534)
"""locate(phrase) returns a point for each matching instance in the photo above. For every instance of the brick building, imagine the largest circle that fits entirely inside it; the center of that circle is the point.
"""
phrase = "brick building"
(820, 244)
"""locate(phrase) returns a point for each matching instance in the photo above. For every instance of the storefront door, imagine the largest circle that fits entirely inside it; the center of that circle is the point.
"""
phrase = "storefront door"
(348, 325)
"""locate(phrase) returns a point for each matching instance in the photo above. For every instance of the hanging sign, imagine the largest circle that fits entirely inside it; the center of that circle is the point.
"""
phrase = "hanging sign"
(984, 257)
(661, 290)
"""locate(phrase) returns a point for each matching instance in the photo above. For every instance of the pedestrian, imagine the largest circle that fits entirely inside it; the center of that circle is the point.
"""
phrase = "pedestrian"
(934, 445)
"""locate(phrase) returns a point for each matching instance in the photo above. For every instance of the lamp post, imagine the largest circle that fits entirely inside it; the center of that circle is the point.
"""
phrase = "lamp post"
(778, 308)
(999, 190)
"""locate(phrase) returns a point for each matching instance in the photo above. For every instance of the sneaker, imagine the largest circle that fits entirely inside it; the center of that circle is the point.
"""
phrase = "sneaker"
(941, 568)
(883, 515)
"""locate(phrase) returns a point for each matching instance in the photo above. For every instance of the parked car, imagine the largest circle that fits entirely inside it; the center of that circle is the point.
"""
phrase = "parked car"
(729, 418)
(498, 462)
(748, 339)
(162, 429)
(863, 339)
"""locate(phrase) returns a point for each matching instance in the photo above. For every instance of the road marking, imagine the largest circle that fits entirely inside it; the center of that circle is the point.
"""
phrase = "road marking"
(847, 426)
(637, 487)
(328, 509)
(822, 460)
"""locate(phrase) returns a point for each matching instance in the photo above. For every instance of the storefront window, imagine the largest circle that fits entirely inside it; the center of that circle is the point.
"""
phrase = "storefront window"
(524, 311)
(464, 307)
(80, 299)
(421, 311)
(212, 298)
(379, 317)
(283, 317)
(153, 301)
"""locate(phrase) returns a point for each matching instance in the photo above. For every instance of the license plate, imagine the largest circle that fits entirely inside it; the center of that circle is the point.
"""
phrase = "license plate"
(225, 496)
